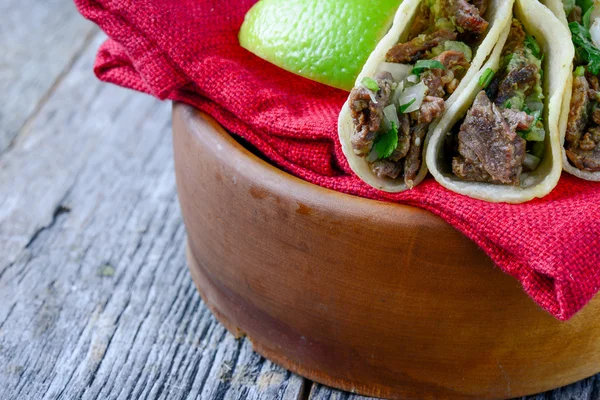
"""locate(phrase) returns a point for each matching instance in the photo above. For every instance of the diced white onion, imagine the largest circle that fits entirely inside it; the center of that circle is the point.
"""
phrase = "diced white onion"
(373, 156)
(373, 98)
(416, 93)
(531, 162)
(390, 115)
(595, 32)
(398, 71)
(412, 78)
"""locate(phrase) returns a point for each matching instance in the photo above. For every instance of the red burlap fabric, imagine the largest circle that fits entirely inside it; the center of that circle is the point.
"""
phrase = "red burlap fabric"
(188, 50)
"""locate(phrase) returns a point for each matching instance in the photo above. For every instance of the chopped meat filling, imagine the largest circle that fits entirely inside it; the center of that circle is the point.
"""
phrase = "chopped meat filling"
(412, 164)
(367, 114)
(587, 155)
(403, 139)
(439, 81)
(489, 150)
(517, 120)
(435, 24)
(578, 114)
(517, 82)
(410, 52)
(431, 108)
(582, 139)
(386, 169)
(465, 15)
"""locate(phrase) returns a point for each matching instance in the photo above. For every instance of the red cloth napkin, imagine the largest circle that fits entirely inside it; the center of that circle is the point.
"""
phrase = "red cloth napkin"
(188, 50)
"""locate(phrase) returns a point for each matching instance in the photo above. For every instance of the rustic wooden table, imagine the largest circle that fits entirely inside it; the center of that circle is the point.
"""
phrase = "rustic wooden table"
(95, 297)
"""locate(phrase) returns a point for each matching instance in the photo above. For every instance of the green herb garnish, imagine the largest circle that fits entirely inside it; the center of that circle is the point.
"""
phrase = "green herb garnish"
(579, 71)
(586, 51)
(486, 78)
(533, 45)
(387, 143)
(404, 107)
(370, 84)
(423, 65)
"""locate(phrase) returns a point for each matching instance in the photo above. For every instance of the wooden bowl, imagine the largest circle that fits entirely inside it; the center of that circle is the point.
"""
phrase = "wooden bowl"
(374, 298)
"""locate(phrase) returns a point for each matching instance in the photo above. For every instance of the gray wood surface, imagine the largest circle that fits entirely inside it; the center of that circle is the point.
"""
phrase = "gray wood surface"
(95, 298)
(38, 42)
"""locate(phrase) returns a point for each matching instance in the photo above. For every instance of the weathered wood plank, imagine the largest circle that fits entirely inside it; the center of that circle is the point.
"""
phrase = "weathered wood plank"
(95, 297)
(39, 40)
(588, 389)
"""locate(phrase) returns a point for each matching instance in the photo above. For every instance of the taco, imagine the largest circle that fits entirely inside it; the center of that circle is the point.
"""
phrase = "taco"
(418, 70)
(581, 106)
(500, 142)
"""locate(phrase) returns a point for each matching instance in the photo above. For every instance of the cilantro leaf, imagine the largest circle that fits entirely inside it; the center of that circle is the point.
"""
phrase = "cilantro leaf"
(387, 143)
(533, 45)
(422, 65)
(586, 51)
(404, 107)
(370, 84)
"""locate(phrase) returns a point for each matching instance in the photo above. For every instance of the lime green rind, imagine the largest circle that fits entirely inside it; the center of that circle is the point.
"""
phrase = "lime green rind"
(326, 41)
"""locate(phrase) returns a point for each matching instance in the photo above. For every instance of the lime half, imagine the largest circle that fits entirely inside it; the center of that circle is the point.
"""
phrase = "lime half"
(325, 40)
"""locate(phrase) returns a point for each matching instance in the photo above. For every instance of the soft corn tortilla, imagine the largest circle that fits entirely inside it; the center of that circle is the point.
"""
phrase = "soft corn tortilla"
(555, 41)
(557, 8)
(498, 15)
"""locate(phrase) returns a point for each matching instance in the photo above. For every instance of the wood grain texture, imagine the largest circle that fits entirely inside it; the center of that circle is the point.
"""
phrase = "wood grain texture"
(95, 297)
(38, 40)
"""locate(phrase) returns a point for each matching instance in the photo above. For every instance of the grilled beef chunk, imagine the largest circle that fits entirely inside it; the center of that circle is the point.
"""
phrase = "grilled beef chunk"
(386, 169)
(403, 139)
(587, 155)
(431, 108)
(439, 81)
(451, 59)
(516, 38)
(465, 15)
(412, 163)
(578, 114)
(517, 120)
(517, 83)
(410, 52)
(489, 150)
(367, 114)
(583, 150)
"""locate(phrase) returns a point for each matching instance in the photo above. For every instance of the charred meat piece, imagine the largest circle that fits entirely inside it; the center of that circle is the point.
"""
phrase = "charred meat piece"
(465, 15)
(451, 59)
(486, 143)
(469, 170)
(516, 38)
(431, 108)
(415, 49)
(517, 120)
(578, 114)
(367, 114)
(441, 82)
(403, 139)
(587, 155)
(412, 163)
(386, 169)
(517, 83)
